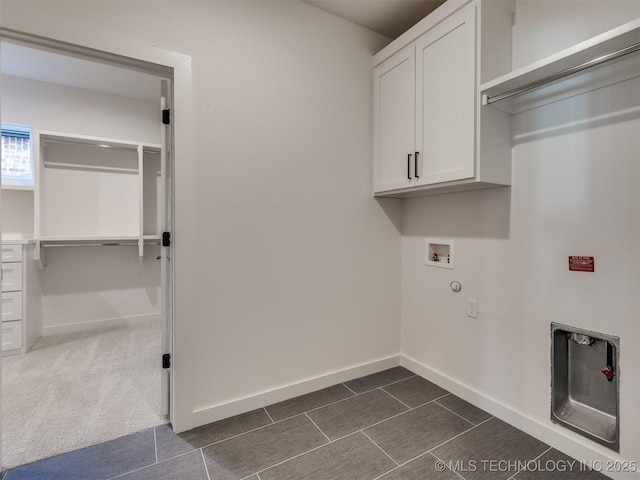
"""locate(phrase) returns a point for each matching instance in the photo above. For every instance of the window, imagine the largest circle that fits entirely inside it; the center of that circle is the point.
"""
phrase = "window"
(17, 160)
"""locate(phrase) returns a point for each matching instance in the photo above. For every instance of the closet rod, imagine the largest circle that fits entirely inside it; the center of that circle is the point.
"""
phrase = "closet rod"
(569, 71)
(89, 167)
(98, 244)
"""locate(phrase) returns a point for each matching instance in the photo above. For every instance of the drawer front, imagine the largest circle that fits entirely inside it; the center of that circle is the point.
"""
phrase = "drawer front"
(11, 306)
(11, 277)
(11, 335)
(11, 253)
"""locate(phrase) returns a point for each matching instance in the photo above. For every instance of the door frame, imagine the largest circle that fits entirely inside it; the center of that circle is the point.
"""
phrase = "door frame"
(111, 49)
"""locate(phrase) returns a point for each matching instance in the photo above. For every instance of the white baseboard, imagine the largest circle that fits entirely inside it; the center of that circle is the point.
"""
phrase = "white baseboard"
(100, 324)
(569, 443)
(235, 407)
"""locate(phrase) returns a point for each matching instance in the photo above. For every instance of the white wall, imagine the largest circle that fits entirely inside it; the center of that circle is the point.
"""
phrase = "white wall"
(84, 287)
(17, 213)
(58, 108)
(575, 191)
(286, 268)
(97, 287)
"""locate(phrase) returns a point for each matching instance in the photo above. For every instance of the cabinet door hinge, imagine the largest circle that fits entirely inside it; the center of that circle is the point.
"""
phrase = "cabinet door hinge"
(166, 239)
(166, 116)
(166, 360)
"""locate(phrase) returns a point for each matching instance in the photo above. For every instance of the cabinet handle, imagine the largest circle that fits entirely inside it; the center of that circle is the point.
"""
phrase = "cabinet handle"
(416, 165)
(409, 167)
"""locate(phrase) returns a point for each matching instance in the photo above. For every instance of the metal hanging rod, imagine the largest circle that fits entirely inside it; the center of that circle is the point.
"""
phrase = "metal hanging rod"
(86, 166)
(46, 244)
(569, 71)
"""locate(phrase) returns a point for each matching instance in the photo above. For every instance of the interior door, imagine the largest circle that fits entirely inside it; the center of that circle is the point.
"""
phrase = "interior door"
(166, 248)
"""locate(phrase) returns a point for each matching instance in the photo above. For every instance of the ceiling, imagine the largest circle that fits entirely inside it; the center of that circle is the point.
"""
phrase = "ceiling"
(390, 18)
(25, 62)
(386, 17)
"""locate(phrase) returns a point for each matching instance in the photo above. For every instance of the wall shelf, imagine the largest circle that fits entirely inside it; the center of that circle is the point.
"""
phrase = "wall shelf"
(95, 191)
(547, 79)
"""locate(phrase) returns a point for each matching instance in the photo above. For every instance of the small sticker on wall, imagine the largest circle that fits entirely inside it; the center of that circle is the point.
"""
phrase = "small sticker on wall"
(581, 264)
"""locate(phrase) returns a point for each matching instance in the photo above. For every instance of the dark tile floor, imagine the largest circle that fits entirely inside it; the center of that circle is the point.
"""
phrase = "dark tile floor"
(391, 425)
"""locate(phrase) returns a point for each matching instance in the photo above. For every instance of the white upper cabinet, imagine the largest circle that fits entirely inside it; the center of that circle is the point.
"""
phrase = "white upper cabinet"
(394, 124)
(429, 133)
(445, 103)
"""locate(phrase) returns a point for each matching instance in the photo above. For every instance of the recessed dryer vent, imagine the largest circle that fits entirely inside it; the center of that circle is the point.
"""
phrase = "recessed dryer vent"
(585, 383)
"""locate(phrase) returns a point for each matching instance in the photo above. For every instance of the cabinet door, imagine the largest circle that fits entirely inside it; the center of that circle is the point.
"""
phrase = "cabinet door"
(394, 121)
(445, 103)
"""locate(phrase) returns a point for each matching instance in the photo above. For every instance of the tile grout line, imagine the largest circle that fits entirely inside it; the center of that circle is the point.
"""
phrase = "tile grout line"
(155, 443)
(316, 425)
(269, 424)
(431, 401)
(345, 385)
(299, 455)
(465, 419)
(120, 475)
(443, 463)
(459, 435)
(380, 448)
(332, 403)
(396, 398)
(380, 387)
(248, 431)
(326, 405)
(268, 415)
(352, 396)
(537, 458)
(372, 425)
(206, 469)
(402, 465)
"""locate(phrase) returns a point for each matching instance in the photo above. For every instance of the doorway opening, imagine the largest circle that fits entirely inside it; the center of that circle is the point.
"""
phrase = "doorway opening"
(89, 291)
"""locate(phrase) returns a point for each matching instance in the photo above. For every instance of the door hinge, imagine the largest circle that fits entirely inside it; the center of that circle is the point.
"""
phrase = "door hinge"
(166, 360)
(166, 116)
(166, 239)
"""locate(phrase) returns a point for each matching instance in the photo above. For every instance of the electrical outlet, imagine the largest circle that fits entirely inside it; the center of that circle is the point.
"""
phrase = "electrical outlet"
(472, 308)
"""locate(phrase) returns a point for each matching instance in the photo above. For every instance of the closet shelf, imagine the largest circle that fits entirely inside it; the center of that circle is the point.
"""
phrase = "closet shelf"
(87, 238)
(90, 141)
(619, 43)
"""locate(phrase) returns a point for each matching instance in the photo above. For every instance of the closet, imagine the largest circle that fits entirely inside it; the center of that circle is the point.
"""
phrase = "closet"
(82, 244)
(95, 191)
(93, 218)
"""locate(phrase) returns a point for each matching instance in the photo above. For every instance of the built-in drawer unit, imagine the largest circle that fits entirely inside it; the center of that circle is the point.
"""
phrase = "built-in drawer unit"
(21, 297)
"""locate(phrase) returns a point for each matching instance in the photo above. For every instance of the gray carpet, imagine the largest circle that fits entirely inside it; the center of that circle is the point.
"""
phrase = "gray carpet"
(72, 391)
